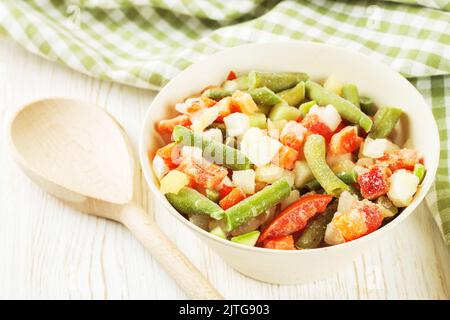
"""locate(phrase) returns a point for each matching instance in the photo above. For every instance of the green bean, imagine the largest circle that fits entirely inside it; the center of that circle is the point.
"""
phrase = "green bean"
(346, 109)
(264, 96)
(350, 92)
(420, 171)
(314, 150)
(367, 105)
(282, 111)
(218, 152)
(190, 201)
(305, 107)
(349, 177)
(314, 232)
(384, 122)
(216, 93)
(256, 204)
(264, 109)
(212, 195)
(294, 95)
(275, 81)
(258, 120)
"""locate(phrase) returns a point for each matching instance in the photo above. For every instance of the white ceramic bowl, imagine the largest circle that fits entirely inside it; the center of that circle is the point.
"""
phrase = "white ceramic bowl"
(374, 79)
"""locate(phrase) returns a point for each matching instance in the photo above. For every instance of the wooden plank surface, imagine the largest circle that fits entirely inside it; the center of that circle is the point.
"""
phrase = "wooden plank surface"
(49, 251)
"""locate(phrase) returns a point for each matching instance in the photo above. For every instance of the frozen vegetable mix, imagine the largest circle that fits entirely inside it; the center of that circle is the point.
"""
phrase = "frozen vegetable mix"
(284, 162)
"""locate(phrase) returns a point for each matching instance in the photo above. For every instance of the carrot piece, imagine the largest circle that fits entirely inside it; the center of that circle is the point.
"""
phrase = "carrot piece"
(285, 158)
(225, 190)
(280, 243)
(295, 217)
(293, 135)
(401, 159)
(236, 195)
(196, 104)
(170, 154)
(363, 218)
(166, 126)
(345, 141)
(207, 176)
(226, 107)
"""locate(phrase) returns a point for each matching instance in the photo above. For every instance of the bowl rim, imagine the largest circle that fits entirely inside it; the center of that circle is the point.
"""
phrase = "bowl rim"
(425, 187)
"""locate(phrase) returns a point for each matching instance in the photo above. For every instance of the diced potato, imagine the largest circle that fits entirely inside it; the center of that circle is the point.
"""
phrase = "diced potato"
(289, 176)
(226, 181)
(332, 235)
(173, 182)
(327, 115)
(181, 107)
(245, 179)
(365, 162)
(259, 148)
(303, 174)
(346, 200)
(293, 196)
(359, 170)
(230, 85)
(375, 148)
(214, 134)
(203, 118)
(194, 153)
(269, 173)
(403, 186)
(159, 167)
(236, 124)
(333, 84)
(274, 128)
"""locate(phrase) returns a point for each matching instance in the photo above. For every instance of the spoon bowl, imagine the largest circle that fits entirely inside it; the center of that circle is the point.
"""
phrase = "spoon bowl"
(78, 153)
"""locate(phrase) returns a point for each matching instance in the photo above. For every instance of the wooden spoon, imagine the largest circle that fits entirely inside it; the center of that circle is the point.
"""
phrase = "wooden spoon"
(79, 153)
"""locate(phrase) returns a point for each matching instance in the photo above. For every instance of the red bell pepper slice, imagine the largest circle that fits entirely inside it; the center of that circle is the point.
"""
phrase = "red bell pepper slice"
(295, 217)
(171, 154)
(231, 75)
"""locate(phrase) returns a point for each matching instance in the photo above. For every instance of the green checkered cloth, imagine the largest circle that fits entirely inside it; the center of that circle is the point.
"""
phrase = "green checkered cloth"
(145, 43)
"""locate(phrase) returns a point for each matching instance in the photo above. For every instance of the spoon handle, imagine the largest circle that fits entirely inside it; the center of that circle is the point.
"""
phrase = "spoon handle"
(186, 275)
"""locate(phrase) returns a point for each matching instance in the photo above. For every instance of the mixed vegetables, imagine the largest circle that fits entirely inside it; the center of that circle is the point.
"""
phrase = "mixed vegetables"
(279, 161)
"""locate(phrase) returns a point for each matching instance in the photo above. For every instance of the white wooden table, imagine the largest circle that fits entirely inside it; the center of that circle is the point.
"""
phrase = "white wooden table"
(50, 251)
